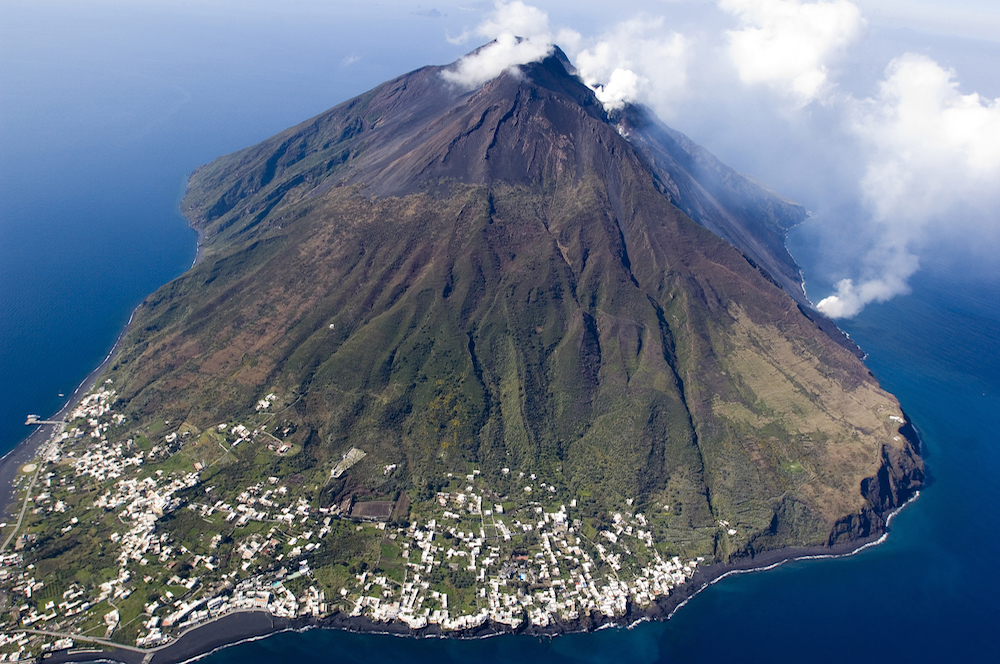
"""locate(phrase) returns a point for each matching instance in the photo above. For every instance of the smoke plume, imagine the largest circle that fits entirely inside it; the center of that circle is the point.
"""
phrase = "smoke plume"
(639, 60)
(932, 167)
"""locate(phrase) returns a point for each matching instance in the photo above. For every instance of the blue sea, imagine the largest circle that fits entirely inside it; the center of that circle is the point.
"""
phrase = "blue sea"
(105, 108)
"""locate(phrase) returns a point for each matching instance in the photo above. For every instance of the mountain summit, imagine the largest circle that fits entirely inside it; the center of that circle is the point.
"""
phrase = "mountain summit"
(514, 280)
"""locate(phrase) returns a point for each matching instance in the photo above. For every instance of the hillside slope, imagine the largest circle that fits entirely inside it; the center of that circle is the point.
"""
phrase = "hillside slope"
(509, 278)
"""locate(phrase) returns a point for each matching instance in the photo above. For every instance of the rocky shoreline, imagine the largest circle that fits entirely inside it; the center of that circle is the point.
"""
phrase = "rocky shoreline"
(243, 626)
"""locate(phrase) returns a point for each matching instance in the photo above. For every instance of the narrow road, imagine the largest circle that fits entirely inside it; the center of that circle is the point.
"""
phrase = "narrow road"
(88, 639)
(24, 508)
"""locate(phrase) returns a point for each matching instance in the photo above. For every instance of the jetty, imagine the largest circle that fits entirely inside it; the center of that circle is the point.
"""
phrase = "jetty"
(34, 419)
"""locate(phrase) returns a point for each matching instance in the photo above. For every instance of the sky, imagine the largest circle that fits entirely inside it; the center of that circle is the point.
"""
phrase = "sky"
(881, 117)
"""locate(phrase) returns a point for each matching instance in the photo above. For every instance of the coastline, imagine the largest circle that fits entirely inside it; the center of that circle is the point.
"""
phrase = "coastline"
(25, 451)
(246, 625)
(243, 626)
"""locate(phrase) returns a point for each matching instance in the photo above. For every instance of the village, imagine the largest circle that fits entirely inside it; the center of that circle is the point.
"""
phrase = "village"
(466, 559)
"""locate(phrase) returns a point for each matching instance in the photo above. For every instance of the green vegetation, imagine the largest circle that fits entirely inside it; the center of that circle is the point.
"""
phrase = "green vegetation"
(527, 326)
(329, 411)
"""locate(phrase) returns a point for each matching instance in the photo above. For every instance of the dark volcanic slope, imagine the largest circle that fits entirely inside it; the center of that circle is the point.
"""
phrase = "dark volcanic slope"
(736, 209)
(405, 134)
(503, 277)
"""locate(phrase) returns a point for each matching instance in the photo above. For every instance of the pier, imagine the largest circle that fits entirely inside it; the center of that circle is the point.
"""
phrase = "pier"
(34, 419)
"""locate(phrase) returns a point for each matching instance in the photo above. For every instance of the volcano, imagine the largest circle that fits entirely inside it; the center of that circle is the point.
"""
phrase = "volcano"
(517, 280)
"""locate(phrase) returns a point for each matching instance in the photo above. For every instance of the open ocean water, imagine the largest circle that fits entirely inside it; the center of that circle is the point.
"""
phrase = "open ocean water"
(103, 112)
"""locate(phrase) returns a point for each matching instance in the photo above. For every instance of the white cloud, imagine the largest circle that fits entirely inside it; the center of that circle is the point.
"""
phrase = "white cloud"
(521, 35)
(638, 60)
(459, 39)
(789, 45)
(932, 171)
(515, 18)
(932, 145)
(493, 59)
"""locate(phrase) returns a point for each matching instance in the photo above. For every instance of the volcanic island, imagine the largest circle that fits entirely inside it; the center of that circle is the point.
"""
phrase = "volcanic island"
(451, 362)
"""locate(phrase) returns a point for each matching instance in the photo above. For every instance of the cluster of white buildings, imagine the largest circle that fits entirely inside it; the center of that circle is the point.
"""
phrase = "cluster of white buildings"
(15, 646)
(107, 462)
(567, 576)
(95, 405)
(556, 573)
(140, 504)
